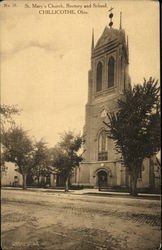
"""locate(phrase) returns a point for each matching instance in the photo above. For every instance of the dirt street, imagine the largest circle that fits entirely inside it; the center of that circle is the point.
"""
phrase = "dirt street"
(55, 221)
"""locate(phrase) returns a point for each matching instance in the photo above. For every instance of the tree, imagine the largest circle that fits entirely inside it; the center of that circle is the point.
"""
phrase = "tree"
(6, 120)
(6, 116)
(66, 155)
(7, 112)
(135, 128)
(41, 162)
(18, 148)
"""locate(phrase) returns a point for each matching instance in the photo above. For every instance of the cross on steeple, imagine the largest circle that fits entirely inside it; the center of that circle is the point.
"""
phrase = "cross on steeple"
(111, 16)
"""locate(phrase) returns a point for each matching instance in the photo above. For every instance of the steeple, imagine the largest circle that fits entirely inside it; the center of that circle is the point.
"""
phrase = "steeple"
(127, 49)
(109, 60)
(92, 46)
(120, 21)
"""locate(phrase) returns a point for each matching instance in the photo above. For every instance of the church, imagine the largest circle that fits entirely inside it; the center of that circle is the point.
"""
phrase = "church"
(102, 165)
(107, 78)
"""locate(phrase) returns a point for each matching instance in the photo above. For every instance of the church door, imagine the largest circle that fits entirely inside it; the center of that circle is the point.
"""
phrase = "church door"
(60, 180)
(102, 179)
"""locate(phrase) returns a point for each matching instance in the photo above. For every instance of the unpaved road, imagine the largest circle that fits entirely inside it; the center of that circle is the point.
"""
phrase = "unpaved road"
(59, 221)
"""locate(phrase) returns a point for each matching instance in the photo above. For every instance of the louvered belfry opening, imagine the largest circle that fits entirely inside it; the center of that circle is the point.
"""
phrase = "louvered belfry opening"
(111, 65)
(99, 77)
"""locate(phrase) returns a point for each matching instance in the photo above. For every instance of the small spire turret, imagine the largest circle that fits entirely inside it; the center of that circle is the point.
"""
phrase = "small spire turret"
(127, 49)
(120, 27)
(92, 46)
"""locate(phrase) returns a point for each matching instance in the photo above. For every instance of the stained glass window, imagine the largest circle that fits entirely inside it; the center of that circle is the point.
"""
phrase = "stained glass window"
(102, 147)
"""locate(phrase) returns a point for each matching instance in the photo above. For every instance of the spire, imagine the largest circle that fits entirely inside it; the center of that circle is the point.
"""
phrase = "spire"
(120, 21)
(127, 42)
(111, 16)
(127, 49)
(92, 46)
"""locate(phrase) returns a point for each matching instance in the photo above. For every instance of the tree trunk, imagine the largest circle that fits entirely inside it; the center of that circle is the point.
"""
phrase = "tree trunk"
(133, 188)
(67, 184)
(24, 181)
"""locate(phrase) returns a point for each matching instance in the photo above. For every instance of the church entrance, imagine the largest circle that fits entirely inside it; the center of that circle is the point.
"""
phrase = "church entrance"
(60, 180)
(102, 179)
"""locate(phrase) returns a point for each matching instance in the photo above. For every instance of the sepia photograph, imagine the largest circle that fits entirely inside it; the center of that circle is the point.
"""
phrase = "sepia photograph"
(80, 125)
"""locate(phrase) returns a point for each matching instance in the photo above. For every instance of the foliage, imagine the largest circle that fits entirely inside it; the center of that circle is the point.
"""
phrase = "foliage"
(6, 120)
(7, 112)
(66, 155)
(41, 160)
(18, 148)
(135, 128)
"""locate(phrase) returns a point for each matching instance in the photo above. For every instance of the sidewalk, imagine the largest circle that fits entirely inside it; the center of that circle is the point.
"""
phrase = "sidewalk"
(117, 194)
(88, 191)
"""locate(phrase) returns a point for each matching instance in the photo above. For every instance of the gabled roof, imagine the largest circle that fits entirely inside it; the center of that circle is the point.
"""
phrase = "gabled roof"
(110, 34)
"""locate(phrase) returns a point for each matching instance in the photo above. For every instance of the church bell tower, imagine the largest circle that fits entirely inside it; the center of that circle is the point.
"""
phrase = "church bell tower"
(107, 79)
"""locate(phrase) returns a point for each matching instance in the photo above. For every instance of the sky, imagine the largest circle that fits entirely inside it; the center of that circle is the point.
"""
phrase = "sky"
(45, 59)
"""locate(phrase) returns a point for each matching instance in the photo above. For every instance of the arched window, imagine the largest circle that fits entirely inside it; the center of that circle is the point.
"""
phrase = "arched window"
(102, 146)
(111, 68)
(99, 77)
